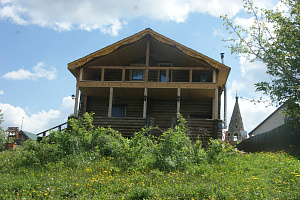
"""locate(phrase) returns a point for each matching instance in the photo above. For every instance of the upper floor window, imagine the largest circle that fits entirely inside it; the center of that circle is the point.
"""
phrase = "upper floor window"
(203, 77)
(137, 74)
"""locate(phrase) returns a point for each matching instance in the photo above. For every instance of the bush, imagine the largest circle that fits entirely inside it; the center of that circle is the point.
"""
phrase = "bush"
(218, 150)
(82, 142)
(174, 149)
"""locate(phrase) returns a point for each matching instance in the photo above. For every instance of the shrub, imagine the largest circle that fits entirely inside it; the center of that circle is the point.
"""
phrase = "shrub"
(174, 149)
(218, 150)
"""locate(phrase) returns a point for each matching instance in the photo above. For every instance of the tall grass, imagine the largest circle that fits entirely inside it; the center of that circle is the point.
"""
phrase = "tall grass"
(97, 163)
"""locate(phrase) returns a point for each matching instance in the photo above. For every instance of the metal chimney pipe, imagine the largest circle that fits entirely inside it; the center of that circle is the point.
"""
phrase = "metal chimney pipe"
(222, 57)
(225, 96)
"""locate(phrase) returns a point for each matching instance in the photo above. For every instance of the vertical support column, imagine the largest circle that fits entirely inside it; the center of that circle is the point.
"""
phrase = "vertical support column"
(214, 76)
(147, 60)
(191, 76)
(178, 102)
(111, 94)
(102, 75)
(145, 103)
(123, 74)
(216, 103)
(84, 103)
(80, 74)
(167, 75)
(76, 101)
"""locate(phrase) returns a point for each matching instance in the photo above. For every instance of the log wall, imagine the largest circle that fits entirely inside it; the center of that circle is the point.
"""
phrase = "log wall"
(197, 112)
(125, 125)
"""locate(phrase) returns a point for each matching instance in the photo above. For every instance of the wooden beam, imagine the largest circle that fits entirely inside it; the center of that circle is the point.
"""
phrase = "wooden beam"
(111, 94)
(80, 74)
(191, 76)
(102, 75)
(145, 103)
(214, 76)
(149, 67)
(147, 59)
(167, 75)
(178, 102)
(216, 103)
(76, 101)
(123, 74)
(142, 84)
(84, 103)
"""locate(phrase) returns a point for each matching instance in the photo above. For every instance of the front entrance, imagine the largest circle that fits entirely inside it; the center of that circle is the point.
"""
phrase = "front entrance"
(118, 111)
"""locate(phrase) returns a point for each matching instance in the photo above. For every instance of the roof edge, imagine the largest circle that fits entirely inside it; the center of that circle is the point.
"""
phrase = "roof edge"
(266, 119)
(133, 38)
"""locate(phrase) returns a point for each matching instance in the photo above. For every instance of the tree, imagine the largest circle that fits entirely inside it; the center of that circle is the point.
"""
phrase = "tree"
(273, 38)
(2, 133)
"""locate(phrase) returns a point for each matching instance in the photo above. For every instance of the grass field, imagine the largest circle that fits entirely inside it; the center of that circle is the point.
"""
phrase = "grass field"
(87, 162)
(236, 176)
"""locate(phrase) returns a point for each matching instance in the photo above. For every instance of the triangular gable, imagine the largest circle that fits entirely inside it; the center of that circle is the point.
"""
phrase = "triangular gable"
(136, 39)
(111, 48)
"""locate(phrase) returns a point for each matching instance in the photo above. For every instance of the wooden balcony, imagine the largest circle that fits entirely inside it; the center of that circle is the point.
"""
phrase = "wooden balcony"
(150, 77)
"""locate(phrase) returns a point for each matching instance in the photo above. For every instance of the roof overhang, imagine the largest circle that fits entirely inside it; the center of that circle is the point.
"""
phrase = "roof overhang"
(159, 43)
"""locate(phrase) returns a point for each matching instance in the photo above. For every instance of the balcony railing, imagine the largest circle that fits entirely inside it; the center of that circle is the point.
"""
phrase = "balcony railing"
(135, 74)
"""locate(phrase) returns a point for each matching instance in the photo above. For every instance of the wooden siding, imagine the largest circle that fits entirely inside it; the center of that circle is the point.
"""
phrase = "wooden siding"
(204, 129)
(134, 108)
(113, 75)
(197, 112)
(125, 125)
(162, 112)
(200, 109)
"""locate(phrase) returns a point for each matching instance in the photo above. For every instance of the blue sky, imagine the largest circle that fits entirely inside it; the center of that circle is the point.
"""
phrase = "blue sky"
(39, 38)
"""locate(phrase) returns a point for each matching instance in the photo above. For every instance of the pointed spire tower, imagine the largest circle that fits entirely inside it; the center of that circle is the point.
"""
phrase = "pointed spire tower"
(236, 123)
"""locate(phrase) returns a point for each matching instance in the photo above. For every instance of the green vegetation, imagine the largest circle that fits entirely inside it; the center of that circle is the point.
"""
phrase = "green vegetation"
(273, 38)
(98, 163)
(2, 133)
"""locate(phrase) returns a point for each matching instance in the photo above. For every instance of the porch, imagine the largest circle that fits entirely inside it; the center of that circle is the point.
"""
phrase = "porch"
(202, 129)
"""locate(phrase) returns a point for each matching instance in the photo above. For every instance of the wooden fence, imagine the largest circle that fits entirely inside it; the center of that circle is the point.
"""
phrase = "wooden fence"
(278, 139)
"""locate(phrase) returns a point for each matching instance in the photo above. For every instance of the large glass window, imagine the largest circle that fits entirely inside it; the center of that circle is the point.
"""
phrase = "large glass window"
(163, 75)
(137, 74)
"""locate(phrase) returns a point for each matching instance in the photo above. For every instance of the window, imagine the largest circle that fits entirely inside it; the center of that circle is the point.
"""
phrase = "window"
(203, 77)
(163, 75)
(97, 78)
(137, 74)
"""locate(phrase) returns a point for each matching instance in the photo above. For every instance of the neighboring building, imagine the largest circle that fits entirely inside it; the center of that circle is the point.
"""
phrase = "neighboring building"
(148, 79)
(16, 137)
(236, 126)
(24, 135)
(274, 120)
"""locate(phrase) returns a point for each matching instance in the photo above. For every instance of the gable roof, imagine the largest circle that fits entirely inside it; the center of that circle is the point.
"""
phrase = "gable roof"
(137, 40)
(31, 136)
(273, 113)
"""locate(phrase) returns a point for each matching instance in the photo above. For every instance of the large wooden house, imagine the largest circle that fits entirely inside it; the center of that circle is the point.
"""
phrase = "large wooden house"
(148, 79)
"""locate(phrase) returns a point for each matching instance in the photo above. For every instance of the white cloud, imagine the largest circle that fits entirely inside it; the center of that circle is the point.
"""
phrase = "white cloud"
(1, 92)
(108, 16)
(244, 22)
(36, 122)
(218, 32)
(37, 71)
